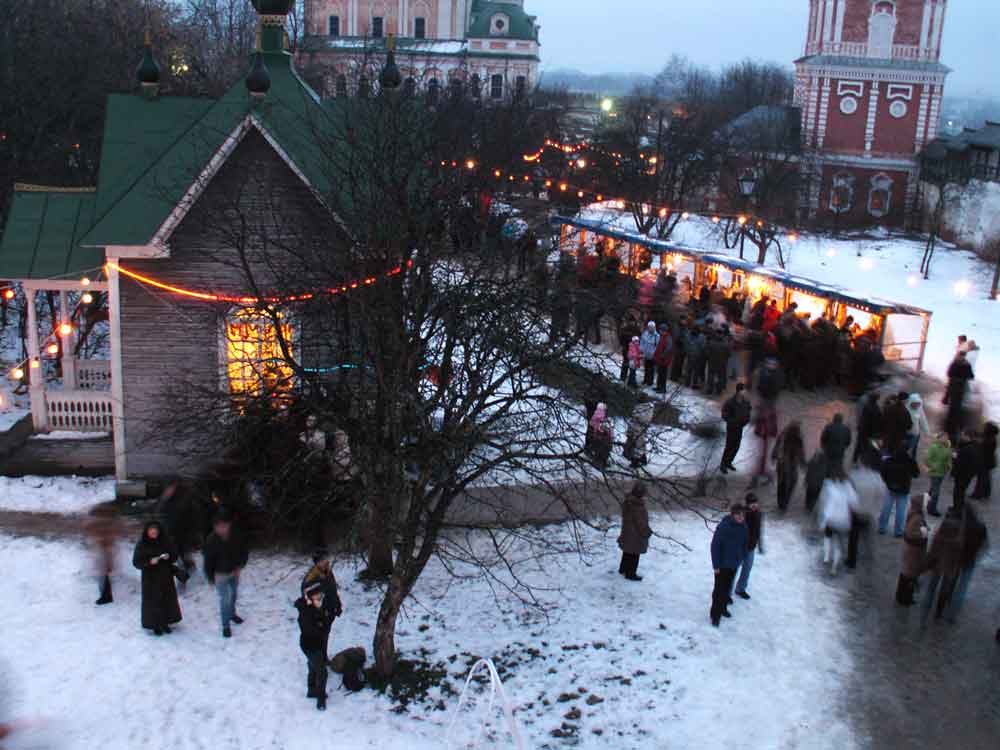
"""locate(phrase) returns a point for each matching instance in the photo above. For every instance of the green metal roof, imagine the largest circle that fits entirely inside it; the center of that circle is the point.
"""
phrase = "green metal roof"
(522, 25)
(41, 239)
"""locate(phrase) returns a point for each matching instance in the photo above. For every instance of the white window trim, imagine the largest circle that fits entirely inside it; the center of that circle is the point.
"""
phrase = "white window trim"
(876, 185)
(899, 91)
(854, 88)
(842, 180)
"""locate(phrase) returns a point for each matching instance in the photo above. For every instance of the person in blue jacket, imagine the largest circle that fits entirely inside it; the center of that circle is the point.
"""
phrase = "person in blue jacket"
(729, 547)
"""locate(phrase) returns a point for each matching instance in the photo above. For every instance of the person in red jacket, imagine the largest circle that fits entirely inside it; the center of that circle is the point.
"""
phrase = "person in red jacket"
(663, 357)
(771, 317)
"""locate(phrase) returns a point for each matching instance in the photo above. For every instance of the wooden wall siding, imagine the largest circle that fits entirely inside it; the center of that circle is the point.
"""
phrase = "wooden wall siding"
(85, 458)
(172, 358)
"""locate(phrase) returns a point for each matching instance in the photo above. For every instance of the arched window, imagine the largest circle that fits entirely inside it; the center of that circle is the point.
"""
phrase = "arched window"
(520, 87)
(882, 29)
(842, 193)
(496, 86)
(341, 86)
(880, 195)
(476, 84)
(409, 87)
(433, 91)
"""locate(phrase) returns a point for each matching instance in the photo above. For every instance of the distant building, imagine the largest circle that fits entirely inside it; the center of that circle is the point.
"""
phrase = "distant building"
(489, 48)
(870, 86)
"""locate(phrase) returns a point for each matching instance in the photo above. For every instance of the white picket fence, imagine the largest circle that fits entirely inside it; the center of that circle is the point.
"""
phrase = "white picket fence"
(79, 411)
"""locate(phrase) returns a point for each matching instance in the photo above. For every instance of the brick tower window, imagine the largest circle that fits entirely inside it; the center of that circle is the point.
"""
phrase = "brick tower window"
(882, 29)
(333, 27)
(377, 27)
(842, 193)
(880, 195)
(420, 28)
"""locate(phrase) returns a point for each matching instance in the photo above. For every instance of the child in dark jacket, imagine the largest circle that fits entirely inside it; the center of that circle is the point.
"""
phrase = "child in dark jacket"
(314, 626)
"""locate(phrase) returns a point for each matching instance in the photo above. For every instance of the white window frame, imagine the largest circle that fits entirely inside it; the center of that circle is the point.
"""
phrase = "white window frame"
(880, 182)
(842, 180)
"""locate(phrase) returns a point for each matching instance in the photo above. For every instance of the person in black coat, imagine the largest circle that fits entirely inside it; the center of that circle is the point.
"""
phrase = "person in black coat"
(967, 465)
(896, 423)
(226, 555)
(988, 449)
(835, 441)
(729, 548)
(314, 632)
(959, 374)
(736, 415)
(869, 424)
(790, 454)
(155, 555)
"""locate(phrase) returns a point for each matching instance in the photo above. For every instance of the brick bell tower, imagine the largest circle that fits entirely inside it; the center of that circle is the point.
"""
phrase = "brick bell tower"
(869, 86)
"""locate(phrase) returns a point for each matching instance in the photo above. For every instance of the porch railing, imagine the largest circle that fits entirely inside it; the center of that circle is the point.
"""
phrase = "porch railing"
(93, 374)
(79, 411)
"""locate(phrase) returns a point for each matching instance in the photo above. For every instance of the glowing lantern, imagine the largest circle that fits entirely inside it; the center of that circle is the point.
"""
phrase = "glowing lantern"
(742, 220)
(600, 198)
(563, 186)
(579, 194)
(497, 173)
(716, 219)
(53, 349)
(685, 215)
(87, 298)
(581, 163)
(17, 373)
(65, 329)
(663, 213)
(35, 364)
(548, 183)
(652, 160)
(85, 281)
(470, 164)
(8, 294)
(620, 205)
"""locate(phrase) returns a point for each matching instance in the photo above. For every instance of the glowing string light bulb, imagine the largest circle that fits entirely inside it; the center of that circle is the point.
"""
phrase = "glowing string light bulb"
(17, 373)
(85, 281)
(470, 164)
(87, 298)
(65, 329)
(53, 349)
(8, 294)
(35, 364)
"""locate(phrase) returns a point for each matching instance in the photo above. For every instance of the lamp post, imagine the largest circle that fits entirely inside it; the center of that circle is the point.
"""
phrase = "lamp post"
(748, 184)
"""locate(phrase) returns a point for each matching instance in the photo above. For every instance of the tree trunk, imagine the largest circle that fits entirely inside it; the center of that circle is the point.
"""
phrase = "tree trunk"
(384, 644)
(380, 537)
(996, 280)
(930, 255)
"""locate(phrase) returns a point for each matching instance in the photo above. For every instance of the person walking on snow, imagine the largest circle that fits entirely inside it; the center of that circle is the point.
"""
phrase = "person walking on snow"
(790, 455)
(601, 435)
(103, 529)
(634, 537)
(755, 543)
(975, 540)
(835, 440)
(648, 343)
(959, 374)
(898, 473)
(226, 555)
(988, 462)
(967, 465)
(729, 546)
(633, 361)
(944, 561)
(769, 385)
(736, 415)
(938, 466)
(314, 633)
(919, 425)
(155, 555)
(869, 423)
(914, 549)
(838, 501)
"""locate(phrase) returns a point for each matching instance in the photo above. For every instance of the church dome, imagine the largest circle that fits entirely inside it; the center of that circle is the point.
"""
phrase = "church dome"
(148, 71)
(258, 79)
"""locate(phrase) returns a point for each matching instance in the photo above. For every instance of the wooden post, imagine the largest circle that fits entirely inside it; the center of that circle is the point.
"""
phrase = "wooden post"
(117, 385)
(923, 342)
(39, 413)
(68, 345)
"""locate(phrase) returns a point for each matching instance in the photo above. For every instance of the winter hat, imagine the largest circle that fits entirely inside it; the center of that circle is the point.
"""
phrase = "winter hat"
(914, 401)
(651, 325)
(320, 554)
(635, 338)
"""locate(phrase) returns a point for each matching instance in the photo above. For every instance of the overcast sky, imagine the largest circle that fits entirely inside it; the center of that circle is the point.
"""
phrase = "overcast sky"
(639, 35)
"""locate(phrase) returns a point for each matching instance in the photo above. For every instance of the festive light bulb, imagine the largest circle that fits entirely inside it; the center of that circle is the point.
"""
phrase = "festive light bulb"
(8, 294)
(527, 178)
(470, 164)
(52, 349)
(563, 186)
(620, 205)
(716, 219)
(579, 194)
(85, 281)
(87, 298)
(497, 173)
(663, 213)
(35, 364)
(548, 183)
(685, 215)
(760, 224)
(17, 373)
(65, 329)
(581, 163)
(793, 237)
(742, 220)
(652, 160)
(600, 198)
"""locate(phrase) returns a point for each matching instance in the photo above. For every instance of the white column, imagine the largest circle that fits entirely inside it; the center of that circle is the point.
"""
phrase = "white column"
(838, 32)
(925, 28)
(68, 344)
(942, 9)
(117, 384)
(824, 111)
(872, 115)
(828, 21)
(918, 143)
(39, 412)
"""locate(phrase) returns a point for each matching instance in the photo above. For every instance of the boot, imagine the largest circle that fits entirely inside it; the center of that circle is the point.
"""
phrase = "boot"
(837, 552)
(827, 550)
(311, 687)
(105, 591)
(321, 703)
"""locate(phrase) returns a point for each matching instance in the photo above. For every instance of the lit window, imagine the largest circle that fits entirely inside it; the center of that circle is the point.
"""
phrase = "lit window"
(377, 27)
(880, 196)
(334, 26)
(842, 193)
(496, 87)
(420, 28)
(256, 362)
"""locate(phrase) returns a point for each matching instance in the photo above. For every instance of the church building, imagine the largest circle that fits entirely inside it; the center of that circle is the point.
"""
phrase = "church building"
(869, 86)
(489, 48)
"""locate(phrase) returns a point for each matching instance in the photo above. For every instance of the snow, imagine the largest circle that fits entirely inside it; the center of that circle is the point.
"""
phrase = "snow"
(660, 675)
(10, 418)
(67, 435)
(66, 495)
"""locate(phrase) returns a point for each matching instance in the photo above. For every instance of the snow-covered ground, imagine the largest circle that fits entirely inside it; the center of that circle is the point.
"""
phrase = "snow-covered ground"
(611, 664)
(66, 495)
(11, 417)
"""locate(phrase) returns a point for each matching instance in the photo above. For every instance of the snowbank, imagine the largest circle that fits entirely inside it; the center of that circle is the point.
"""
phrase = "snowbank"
(67, 495)
(612, 664)
(10, 418)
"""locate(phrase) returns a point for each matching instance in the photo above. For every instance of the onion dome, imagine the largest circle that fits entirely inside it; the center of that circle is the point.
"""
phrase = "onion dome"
(148, 72)
(390, 79)
(258, 79)
(273, 7)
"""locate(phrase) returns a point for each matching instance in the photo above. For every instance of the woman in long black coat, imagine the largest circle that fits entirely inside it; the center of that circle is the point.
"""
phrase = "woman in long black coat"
(155, 555)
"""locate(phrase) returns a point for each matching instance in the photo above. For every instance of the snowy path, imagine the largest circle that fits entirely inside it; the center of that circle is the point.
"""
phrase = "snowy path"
(638, 665)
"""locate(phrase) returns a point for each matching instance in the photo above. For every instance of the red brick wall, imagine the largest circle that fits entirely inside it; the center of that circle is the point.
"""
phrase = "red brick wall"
(846, 132)
(858, 215)
(909, 19)
(896, 135)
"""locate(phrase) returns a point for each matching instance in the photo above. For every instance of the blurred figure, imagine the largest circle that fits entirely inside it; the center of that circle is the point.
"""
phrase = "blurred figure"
(815, 476)
(959, 375)
(790, 454)
(648, 342)
(975, 541)
(939, 457)
(601, 436)
(918, 420)
(633, 361)
(226, 555)
(966, 467)
(103, 529)
(914, 549)
(988, 462)
(898, 473)
(835, 440)
(944, 561)
(736, 415)
(770, 383)
(896, 423)
(837, 502)
(729, 546)
(663, 357)
(154, 555)
(183, 521)
(634, 537)
(755, 543)
(869, 423)
(314, 633)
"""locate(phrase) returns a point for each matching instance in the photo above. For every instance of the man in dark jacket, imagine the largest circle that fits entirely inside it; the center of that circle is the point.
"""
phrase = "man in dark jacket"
(226, 555)
(736, 415)
(966, 466)
(896, 423)
(898, 472)
(729, 547)
(959, 374)
(975, 540)
(755, 542)
(988, 451)
(719, 350)
(314, 632)
(869, 423)
(835, 441)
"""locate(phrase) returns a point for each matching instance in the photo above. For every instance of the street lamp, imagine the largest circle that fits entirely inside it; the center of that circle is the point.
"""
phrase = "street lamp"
(748, 183)
(607, 105)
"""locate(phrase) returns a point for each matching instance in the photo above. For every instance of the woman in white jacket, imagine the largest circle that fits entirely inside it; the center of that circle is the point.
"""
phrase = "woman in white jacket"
(838, 502)
(919, 425)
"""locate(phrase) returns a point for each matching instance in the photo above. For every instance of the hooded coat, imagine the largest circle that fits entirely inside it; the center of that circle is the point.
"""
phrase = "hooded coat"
(634, 353)
(914, 538)
(159, 595)
(648, 341)
(945, 556)
(729, 544)
(918, 417)
(635, 533)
